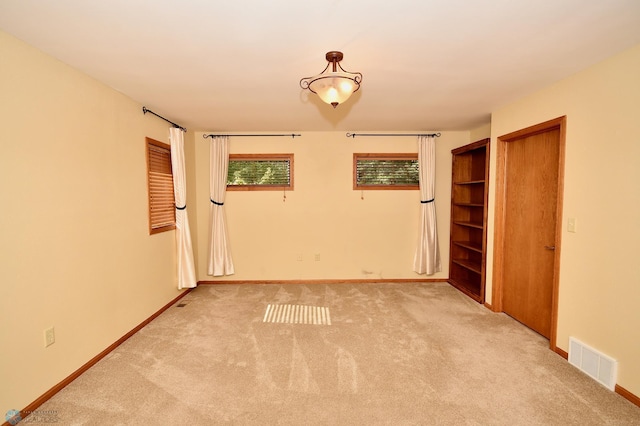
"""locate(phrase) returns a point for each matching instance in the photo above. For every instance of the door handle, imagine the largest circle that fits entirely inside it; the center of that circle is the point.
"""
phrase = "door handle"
(550, 247)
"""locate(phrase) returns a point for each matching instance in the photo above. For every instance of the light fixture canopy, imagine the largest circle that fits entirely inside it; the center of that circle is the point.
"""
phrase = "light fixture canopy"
(333, 86)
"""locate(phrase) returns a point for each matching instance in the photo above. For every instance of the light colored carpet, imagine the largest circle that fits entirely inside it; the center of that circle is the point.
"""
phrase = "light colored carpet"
(396, 354)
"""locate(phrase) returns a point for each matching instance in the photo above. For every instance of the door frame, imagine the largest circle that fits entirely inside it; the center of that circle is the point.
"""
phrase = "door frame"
(559, 123)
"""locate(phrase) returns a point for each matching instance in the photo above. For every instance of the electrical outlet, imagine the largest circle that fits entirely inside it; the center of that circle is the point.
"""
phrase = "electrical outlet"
(49, 337)
(317, 257)
(300, 257)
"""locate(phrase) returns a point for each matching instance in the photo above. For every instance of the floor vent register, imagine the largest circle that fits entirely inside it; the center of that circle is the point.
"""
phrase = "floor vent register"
(297, 314)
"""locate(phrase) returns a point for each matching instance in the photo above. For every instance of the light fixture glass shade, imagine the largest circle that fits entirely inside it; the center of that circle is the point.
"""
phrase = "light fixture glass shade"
(333, 86)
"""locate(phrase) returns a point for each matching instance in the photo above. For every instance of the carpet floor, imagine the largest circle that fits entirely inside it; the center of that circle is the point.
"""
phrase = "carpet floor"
(400, 354)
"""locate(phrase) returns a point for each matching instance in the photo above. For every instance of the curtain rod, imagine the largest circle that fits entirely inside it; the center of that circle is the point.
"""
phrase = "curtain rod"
(145, 110)
(213, 136)
(353, 135)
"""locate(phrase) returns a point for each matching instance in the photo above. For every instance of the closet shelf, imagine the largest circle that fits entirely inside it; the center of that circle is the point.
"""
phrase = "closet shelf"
(472, 266)
(469, 224)
(468, 204)
(470, 182)
(471, 245)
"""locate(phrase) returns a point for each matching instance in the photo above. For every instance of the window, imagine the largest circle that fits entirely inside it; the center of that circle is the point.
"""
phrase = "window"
(260, 172)
(162, 213)
(385, 171)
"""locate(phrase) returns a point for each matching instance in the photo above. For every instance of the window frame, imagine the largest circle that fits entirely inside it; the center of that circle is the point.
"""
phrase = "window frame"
(263, 157)
(382, 156)
(155, 228)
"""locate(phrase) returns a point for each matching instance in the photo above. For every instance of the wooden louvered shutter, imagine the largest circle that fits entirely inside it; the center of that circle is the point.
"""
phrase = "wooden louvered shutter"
(162, 214)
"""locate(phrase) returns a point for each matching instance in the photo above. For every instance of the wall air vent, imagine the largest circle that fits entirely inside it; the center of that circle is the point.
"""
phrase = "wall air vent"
(599, 366)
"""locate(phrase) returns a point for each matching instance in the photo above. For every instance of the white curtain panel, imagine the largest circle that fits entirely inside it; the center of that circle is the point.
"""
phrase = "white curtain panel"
(186, 267)
(220, 261)
(427, 257)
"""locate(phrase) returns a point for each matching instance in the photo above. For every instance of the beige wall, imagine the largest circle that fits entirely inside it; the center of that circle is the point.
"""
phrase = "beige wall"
(370, 238)
(599, 273)
(482, 132)
(74, 248)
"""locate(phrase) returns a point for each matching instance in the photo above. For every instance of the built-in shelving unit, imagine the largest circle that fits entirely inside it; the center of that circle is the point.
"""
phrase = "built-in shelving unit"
(469, 190)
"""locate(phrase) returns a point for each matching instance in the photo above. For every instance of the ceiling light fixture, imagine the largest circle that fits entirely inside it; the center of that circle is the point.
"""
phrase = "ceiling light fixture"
(335, 86)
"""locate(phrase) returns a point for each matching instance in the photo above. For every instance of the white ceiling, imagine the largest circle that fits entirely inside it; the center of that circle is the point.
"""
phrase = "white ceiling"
(216, 65)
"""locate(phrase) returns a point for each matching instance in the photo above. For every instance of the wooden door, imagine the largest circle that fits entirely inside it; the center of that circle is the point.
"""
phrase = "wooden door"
(529, 243)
